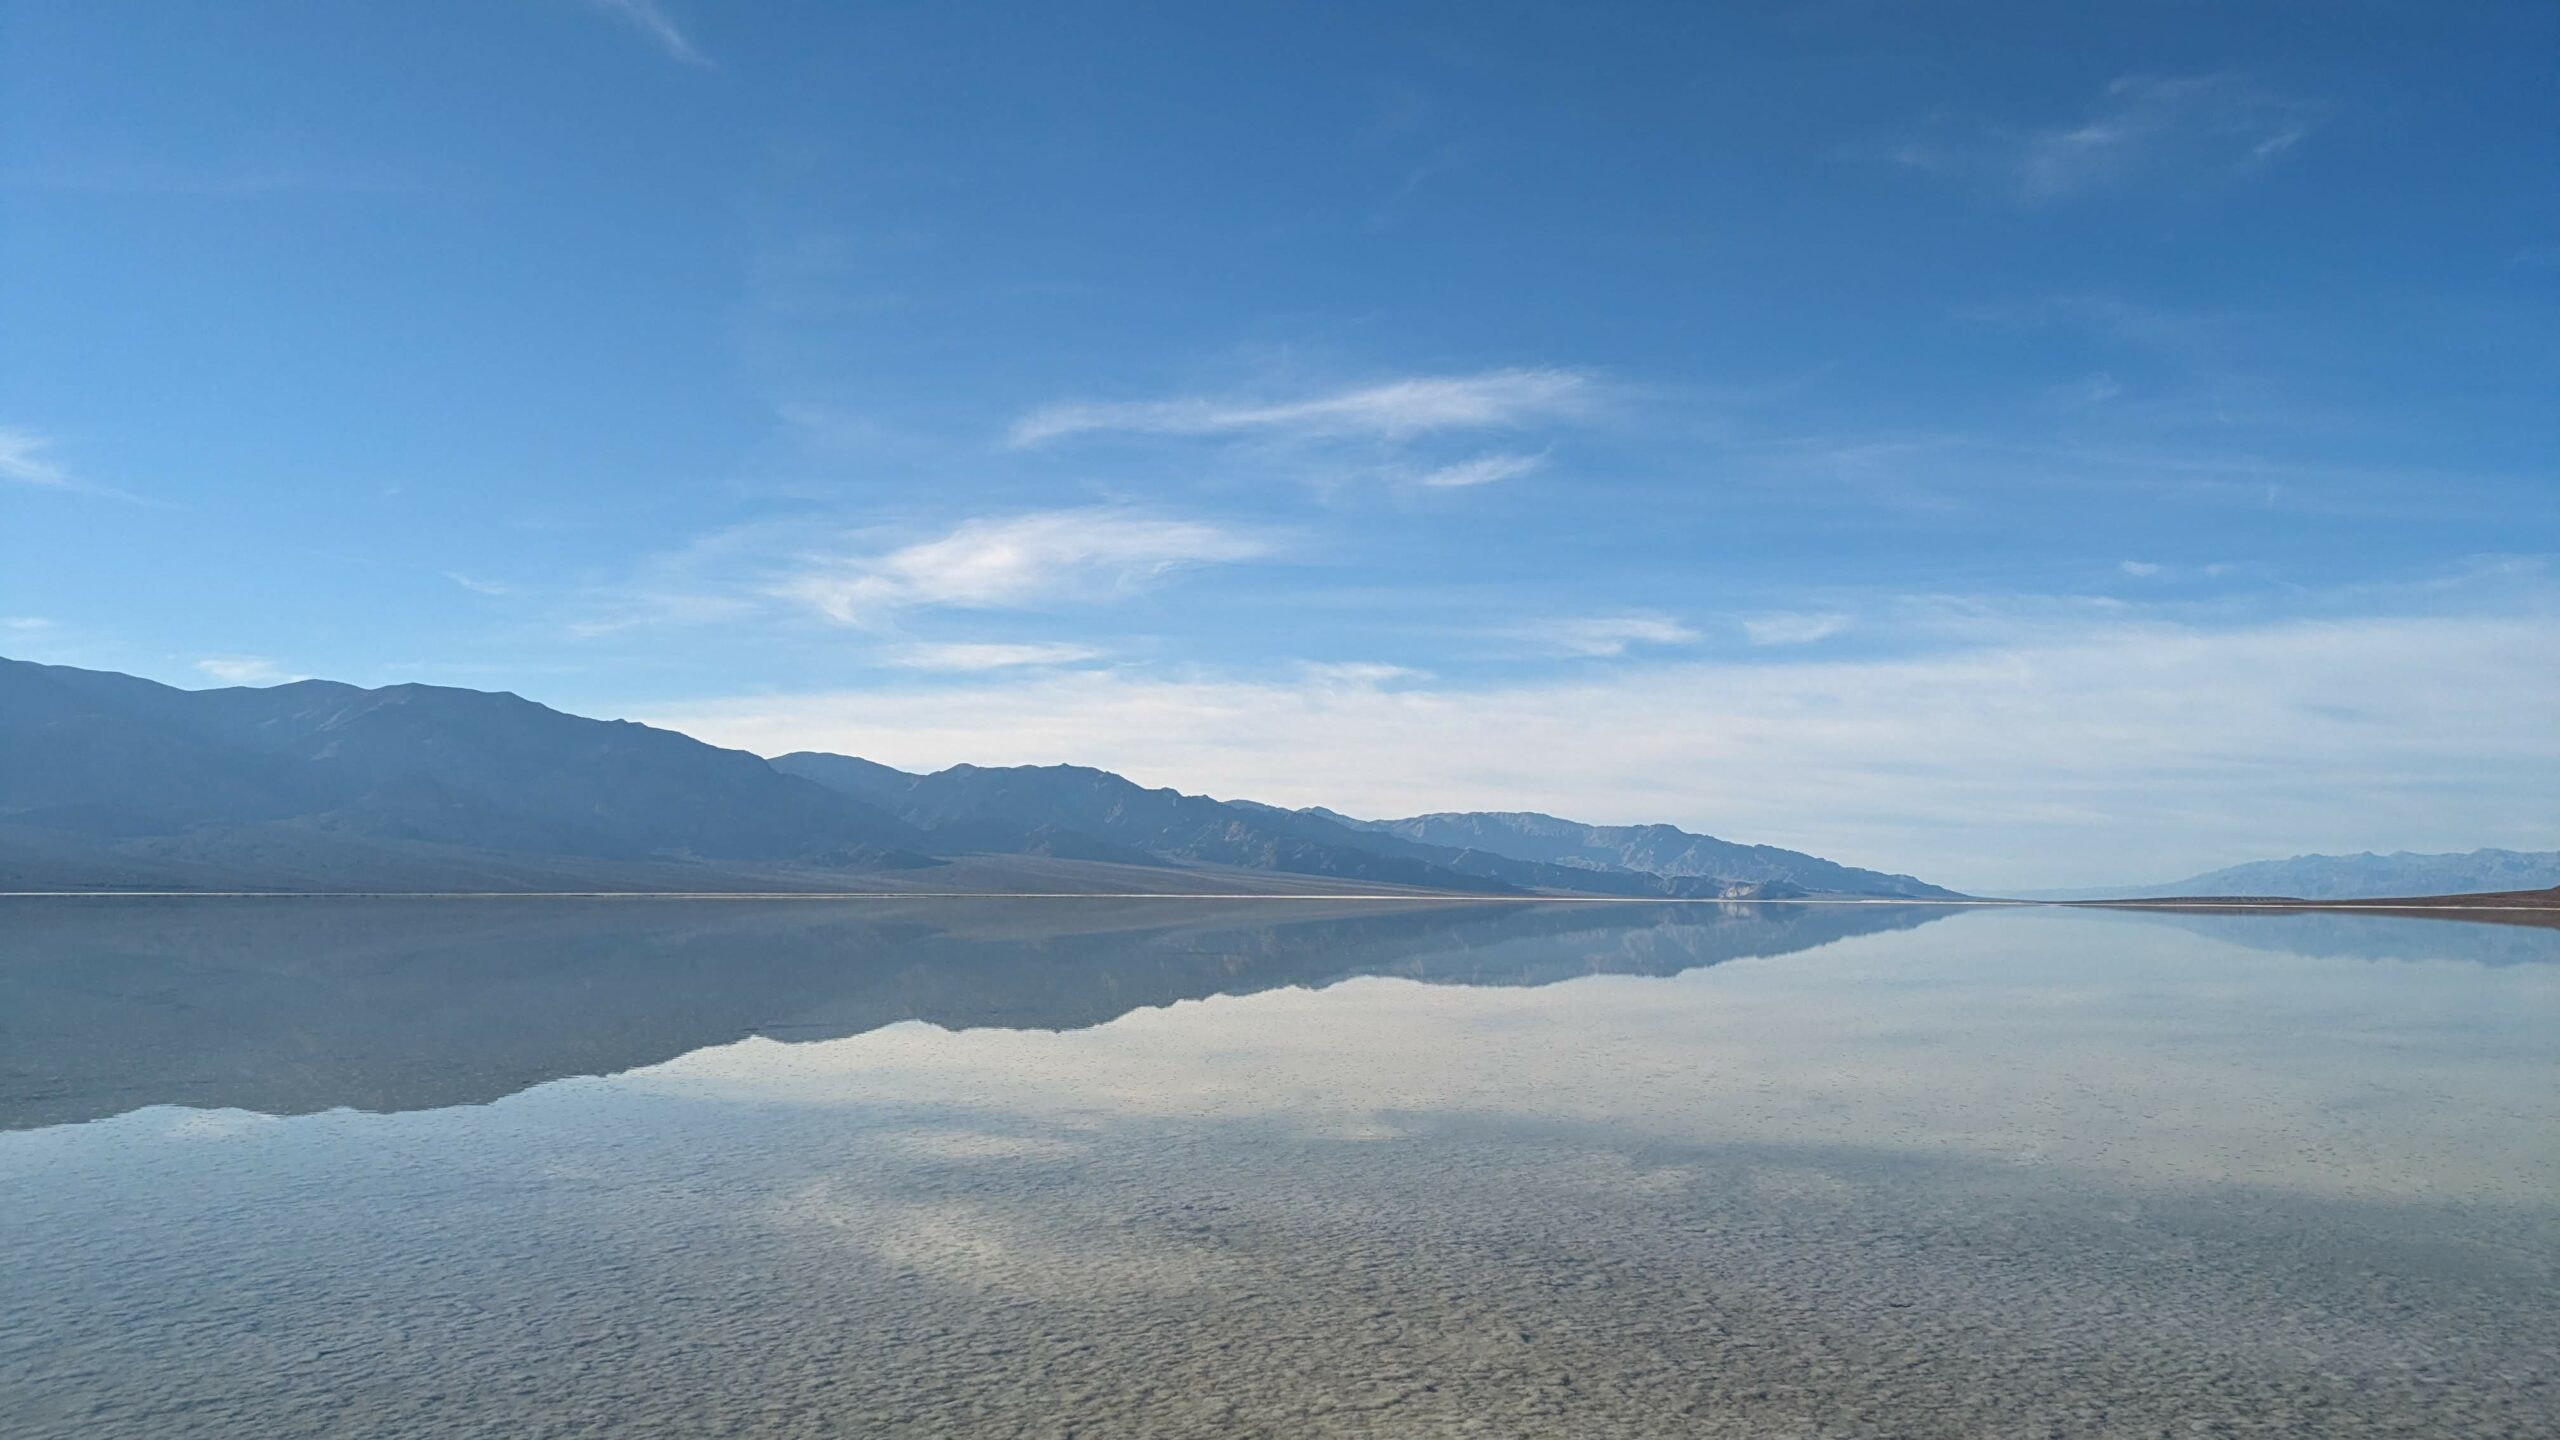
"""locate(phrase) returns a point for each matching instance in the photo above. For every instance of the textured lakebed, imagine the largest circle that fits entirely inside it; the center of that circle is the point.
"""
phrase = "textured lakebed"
(2014, 1173)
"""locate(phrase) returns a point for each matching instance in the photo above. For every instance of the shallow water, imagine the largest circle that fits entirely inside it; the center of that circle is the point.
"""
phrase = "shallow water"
(670, 1168)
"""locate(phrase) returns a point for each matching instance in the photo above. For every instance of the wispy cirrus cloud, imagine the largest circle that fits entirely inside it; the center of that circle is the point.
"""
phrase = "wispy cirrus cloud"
(1604, 636)
(1481, 470)
(27, 458)
(245, 670)
(1014, 561)
(2173, 130)
(1793, 627)
(24, 459)
(980, 655)
(870, 578)
(1394, 410)
(2158, 570)
(653, 23)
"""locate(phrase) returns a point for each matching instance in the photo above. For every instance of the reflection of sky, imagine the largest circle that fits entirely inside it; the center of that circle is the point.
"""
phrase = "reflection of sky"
(2111, 1045)
(1995, 1175)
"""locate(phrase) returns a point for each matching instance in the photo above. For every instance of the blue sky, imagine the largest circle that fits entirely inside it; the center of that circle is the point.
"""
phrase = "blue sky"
(2016, 444)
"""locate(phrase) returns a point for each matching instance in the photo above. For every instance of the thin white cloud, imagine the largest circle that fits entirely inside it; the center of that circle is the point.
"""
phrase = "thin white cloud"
(478, 586)
(1014, 561)
(2155, 570)
(1792, 628)
(2098, 389)
(25, 624)
(244, 670)
(26, 459)
(2175, 130)
(1482, 470)
(1602, 636)
(2217, 122)
(2109, 752)
(23, 459)
(1394, 410)
(654, 24)
(1358, 672)
(988, 656)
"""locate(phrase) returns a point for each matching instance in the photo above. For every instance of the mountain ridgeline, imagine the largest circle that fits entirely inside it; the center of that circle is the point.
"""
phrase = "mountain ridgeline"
(1653, 849)
(1111, 818)
(109, 782)
(2365, 876)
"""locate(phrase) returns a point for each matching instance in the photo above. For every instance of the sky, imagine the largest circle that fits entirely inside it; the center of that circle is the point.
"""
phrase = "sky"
(2020, 445)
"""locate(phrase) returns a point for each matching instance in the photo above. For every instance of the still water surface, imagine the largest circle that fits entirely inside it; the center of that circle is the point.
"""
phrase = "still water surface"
(1099, 1167)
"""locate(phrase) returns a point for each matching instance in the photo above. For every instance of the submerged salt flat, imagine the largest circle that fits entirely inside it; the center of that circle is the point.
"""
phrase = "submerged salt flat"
(1604, 1170)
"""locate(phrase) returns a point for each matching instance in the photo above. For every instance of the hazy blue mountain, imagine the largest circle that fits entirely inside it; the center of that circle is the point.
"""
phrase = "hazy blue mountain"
(373, 783)
(1530, 874)
(1011, 809)
(2366, 876)
(867, 780)
(1653, 849)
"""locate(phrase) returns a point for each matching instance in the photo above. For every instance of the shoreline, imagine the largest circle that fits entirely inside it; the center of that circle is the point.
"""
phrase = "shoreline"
(2533, 902)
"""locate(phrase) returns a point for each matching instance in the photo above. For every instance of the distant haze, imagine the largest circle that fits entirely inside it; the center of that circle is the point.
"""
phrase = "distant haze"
(2365, 876)
(2043, 757)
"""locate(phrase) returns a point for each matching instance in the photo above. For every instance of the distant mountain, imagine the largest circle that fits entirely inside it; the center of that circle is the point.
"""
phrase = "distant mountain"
(1098, 815)
(2363, 877)
(1014, 809)
(1038, 808)
(341, 787)
(112, 782)
(1655, 849)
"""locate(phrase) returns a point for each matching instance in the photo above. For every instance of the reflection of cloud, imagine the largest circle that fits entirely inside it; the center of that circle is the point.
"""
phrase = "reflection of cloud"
(990, 1246)
(219, 1124)
(983, 1145)
(1960, 1042)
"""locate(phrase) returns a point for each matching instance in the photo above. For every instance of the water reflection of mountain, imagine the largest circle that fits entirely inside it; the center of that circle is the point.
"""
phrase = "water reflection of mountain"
(293, 1006)
(2367, 935)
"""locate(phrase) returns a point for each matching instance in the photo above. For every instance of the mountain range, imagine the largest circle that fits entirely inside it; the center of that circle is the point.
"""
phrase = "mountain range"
(111, 782)
(2365, 876)
(1654, 849)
